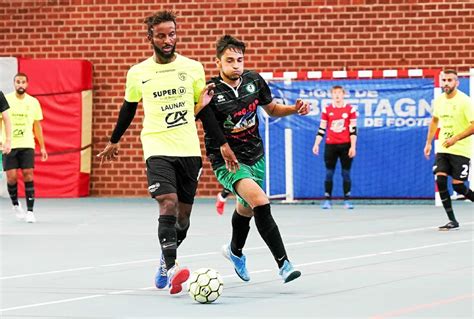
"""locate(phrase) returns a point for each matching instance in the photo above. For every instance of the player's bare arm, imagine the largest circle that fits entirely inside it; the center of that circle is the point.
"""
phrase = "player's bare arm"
(319, 136)
(279, 110)
(38, 130)
(7, 146)
(467, 132)
(429, 138)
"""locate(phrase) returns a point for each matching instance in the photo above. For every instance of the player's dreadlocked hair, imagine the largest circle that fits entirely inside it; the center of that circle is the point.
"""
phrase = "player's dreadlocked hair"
(157, 18)
(229, 42)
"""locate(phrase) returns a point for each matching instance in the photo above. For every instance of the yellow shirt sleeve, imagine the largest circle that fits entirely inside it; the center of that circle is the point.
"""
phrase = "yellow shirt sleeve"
(199, 83)
(133, 90)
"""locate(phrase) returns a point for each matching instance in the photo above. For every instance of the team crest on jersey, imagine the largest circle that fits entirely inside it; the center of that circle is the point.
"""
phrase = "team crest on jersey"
(182, 76)
(344, 115)
(220, 98)
(250, 88)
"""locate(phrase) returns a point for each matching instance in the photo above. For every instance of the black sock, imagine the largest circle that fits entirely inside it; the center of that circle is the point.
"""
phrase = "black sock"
(346, 186)
(463, 190)
(181, 232)
(13, 192)
(240, 232)
(442, 182)
(225, 193)
(30, 195)
(328, 189)
(268, 229)
(167, 237)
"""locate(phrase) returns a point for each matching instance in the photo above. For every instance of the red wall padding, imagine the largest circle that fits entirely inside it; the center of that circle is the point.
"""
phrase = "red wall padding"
(58, 84)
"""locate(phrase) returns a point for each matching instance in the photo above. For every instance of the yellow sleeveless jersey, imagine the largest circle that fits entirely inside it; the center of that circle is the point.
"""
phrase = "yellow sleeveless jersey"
(22, 114)
(169, 92)
(454, 116)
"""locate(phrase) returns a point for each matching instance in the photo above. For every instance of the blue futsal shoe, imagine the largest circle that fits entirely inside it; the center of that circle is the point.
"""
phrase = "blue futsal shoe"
(327, 204)
(161, 277)
(238, 262)
(288, 273)
(348, 204)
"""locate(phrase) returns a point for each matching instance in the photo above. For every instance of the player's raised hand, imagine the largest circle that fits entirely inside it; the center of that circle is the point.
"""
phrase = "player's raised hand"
(205, 97)
(231, 162)
(427, 151)
(302, 107)
(109, 153)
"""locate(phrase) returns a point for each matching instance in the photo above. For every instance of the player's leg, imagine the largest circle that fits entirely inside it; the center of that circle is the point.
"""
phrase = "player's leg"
(162, 182)
(240, 230)
(240, 221)
(250, 189)
(442, 169)
(330, 161)
(187, 173)
(460, 174)
(346, 164)
(26, 159)
(10, 166)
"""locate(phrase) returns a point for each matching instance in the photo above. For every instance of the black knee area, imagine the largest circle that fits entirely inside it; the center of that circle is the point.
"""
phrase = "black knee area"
(442, 183)
(182, 231)
(264, 219)
(460, 188)
(240, 222)
(167, 231)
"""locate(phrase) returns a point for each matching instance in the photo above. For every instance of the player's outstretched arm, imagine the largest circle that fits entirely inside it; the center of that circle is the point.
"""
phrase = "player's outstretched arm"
(126, 115)
(279, 110)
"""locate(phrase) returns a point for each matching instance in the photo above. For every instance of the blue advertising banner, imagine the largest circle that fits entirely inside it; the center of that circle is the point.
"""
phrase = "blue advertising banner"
(393, 116)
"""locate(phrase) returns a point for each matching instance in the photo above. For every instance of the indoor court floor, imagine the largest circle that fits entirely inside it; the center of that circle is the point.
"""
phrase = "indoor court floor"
(96, 258)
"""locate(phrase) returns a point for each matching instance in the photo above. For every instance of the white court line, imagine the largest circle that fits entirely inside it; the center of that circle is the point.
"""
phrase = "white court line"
(252, 272)
(323, 240)
(50, 303)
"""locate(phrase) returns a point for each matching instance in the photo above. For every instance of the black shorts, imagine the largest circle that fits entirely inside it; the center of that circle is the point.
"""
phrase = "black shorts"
(170, 174)
(334, 151)
(456, 166)
(19, 158)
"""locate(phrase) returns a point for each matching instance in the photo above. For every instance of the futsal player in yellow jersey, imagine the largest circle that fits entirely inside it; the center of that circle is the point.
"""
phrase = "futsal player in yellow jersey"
(454, 115)
(172, 88)
(25, 115)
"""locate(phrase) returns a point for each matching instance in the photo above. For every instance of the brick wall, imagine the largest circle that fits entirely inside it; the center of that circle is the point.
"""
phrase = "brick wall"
(281, 36)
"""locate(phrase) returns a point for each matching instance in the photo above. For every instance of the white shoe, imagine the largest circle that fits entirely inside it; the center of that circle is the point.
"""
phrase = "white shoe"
(19, 212)
(30, 217)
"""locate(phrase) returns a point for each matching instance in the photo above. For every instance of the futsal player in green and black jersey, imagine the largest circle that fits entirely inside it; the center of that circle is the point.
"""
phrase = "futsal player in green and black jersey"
(237, 95)
(172, 88)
